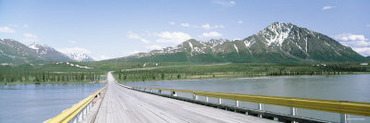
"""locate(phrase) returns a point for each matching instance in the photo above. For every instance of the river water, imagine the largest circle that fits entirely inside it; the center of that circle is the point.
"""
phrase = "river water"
(37, 103)
(341, 87)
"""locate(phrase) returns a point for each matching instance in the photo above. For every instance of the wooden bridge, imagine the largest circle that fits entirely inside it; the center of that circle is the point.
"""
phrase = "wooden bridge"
(117, 103)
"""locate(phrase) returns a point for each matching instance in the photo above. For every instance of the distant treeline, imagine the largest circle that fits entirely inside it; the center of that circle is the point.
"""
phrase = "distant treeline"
(237, 70)
(16, 76)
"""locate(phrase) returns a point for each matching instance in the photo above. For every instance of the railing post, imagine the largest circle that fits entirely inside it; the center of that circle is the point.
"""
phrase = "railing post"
(207, 100)
(293, 112)
(159, 91)
(343, 118)
(173, 93)
(195, 97)
(237, 103)
(219, 101)
(260, 107)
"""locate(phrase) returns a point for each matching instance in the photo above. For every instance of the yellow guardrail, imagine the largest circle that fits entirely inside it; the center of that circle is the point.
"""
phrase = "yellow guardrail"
(343, 107)
(70, 113)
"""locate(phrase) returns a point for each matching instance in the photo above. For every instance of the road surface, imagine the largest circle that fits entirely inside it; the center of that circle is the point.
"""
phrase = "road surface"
(122, 105)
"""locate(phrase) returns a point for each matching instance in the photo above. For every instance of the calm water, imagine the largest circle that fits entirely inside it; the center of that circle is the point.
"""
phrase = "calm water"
(37, 103)
(342, 87)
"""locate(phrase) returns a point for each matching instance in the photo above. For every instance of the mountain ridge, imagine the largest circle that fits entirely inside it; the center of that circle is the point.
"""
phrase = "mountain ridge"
(12, 51)
(278, 42)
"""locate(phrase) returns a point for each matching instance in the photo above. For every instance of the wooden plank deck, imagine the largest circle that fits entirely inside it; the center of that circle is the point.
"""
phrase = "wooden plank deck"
(122, 105)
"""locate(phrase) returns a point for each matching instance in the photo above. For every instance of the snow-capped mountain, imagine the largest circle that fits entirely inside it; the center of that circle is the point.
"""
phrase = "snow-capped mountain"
(279, 42)
(52, 54)
(12, 51)
(80, 57)
(49, 53)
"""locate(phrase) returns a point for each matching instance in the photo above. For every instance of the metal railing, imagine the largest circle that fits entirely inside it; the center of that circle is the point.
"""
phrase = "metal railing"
(78, 111)
(342, 107)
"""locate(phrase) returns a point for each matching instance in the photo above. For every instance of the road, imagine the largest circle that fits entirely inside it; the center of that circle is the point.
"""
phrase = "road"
(122, 105)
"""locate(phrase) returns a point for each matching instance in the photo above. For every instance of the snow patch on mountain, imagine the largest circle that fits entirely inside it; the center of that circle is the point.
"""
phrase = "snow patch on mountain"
(247, 44)
(191, 45)
(276, 33)
(236, 48)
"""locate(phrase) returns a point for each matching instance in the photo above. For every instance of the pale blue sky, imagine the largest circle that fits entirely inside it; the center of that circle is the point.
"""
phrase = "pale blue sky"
(116, 28)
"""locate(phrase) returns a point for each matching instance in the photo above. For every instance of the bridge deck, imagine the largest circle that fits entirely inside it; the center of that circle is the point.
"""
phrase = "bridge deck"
(125, 105)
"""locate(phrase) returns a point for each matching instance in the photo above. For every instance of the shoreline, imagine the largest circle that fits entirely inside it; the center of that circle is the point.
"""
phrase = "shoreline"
(190, 79)
(255, 77)
(45, 83)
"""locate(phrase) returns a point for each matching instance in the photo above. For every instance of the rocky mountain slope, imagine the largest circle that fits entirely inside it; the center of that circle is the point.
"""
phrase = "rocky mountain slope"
(49, 53)
(12, 51)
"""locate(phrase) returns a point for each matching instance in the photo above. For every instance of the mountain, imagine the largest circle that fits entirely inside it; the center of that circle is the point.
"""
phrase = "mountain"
(80, 57)
(279, 42)
(49, 53)
(12, 51)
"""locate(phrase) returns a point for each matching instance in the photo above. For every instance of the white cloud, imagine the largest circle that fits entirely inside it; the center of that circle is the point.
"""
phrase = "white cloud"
(363, 51)
(25, 26)
(171, 23)
(173, 37)
(327, 7)
(212, 34)
(135, 52)
(357, 42)
(132, 35)
(225, 3)
(28, 37)
(102, 58)
(154, 47)
(72, 41)
(185, 24)
(6, 30)
(240, 22)
(350, 37)
(208, 26)
(74, 50)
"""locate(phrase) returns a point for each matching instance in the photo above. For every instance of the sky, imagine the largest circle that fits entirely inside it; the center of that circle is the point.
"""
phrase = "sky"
(107, 29)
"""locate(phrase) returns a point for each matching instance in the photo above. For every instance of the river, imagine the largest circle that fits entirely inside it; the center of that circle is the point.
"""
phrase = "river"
(31, 103)
(354, 87)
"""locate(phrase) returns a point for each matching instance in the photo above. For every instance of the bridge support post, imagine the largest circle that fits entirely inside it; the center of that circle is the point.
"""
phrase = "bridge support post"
(237, 103)
(343, 118)
(260, 107)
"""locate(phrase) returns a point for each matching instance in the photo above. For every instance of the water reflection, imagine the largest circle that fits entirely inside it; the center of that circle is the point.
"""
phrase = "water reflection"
(342, 87)
(37, 103)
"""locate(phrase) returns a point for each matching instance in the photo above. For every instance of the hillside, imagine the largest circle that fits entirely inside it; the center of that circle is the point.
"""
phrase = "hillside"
(12, 51)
